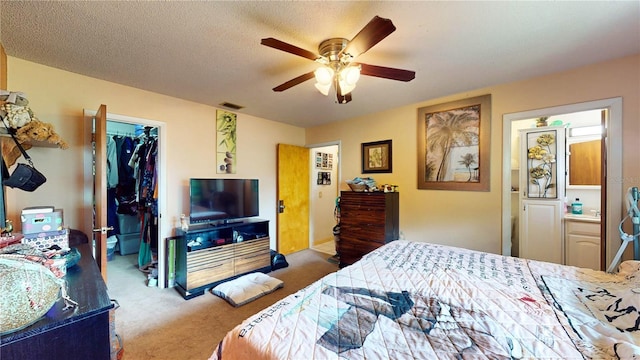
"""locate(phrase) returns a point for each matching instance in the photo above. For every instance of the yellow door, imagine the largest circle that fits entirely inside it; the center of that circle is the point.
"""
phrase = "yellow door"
(293, 198)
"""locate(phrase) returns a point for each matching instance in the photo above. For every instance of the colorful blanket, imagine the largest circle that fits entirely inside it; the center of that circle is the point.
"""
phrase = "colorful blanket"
(414, 300)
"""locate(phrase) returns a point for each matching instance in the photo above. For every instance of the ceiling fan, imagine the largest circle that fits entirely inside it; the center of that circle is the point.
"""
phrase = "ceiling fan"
(337, 57)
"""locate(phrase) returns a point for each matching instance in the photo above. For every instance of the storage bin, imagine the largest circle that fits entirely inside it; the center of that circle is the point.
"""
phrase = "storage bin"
(45, 240)
(111, 247)
(129, 243)
(128, 224)
(38, 222)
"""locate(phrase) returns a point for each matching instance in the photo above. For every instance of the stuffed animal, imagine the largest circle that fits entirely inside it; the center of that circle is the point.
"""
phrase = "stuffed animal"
(40, 131)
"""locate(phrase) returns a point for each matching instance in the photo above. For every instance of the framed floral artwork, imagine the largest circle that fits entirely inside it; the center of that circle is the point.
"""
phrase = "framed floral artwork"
(226, 161)
(376, 157)
(453, 145)
(542, 174)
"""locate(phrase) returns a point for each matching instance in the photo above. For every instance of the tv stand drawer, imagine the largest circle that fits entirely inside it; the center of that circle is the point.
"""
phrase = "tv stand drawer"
(252, 255)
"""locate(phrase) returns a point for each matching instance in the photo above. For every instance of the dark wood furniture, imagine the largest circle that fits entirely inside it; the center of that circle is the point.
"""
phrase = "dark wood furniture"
(207, 255)
(81, 333)
(368, 220)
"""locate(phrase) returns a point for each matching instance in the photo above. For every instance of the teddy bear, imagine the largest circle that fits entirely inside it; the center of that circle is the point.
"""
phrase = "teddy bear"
(40, 131)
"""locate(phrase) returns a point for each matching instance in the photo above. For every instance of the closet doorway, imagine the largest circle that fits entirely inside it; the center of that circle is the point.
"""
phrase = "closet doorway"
(134, 203)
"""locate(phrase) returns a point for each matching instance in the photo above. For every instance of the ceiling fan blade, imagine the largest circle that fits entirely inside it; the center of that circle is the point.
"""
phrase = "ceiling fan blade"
(286, 47)
(372, 33)
(387, 72)
(293, 82)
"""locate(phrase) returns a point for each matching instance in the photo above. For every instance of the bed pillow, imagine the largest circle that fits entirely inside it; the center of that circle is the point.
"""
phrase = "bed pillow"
(247, 288)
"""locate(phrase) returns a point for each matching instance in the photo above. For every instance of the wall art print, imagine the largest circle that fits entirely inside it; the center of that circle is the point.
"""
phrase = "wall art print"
(377, 157)
(226, 161)
(453, 145)
(541, 164)
(324, 161)
(324, 178)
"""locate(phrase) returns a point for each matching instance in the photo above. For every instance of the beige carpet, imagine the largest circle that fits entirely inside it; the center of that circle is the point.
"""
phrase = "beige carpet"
(159, 324)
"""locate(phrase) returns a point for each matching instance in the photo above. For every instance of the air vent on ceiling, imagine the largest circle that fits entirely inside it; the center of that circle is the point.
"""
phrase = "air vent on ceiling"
(231, 106)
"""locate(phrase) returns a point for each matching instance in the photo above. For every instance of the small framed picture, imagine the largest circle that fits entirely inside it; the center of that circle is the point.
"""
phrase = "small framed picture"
(376, 157)
(324, 178)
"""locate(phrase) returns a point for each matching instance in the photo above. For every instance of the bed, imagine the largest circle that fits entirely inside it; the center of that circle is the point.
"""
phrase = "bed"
(415, 300)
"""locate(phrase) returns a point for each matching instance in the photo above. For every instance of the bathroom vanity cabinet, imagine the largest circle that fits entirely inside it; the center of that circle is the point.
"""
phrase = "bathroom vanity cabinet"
(582, 240)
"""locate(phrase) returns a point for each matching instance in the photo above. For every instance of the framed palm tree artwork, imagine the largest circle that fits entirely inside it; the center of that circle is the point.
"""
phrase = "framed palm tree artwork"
(453, 145)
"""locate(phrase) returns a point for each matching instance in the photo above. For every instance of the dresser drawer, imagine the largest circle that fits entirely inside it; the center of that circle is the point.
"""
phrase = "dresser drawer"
(362, 215)
(365, 232)
(352, 249)
(363, 201)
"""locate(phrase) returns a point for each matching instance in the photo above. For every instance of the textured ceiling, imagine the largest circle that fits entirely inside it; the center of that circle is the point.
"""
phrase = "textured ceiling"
(209, 52)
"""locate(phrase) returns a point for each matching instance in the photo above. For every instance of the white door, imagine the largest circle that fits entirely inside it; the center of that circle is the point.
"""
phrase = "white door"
(541, 231)
(542, 192)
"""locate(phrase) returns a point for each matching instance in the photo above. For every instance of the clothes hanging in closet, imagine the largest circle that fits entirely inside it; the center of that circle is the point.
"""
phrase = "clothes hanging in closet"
(126, 189)
(121, 183)
(112, 182)
(144, 163)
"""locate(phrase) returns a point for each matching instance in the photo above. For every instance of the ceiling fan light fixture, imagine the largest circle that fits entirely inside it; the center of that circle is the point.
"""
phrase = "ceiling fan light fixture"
(335, 56)
(323, 88)
(324, 75)
(349, 76)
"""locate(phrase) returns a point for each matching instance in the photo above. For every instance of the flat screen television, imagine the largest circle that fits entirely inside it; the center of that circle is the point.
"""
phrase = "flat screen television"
(222, 199)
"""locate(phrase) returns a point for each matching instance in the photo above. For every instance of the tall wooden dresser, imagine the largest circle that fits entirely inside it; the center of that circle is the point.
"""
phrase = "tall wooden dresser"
(368, 220)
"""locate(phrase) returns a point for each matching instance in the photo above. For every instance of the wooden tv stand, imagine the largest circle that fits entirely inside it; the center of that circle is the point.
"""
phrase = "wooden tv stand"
(207, 255)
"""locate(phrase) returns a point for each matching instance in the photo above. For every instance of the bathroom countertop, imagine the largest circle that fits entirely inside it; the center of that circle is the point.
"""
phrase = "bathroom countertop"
(582, 217)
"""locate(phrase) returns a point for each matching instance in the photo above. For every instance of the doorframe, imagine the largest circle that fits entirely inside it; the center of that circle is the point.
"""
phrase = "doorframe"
(337, 181)
(614, 165)
(163, 225)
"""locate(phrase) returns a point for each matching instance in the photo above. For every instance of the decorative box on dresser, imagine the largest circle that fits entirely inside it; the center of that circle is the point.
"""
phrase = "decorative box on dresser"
(368, 220)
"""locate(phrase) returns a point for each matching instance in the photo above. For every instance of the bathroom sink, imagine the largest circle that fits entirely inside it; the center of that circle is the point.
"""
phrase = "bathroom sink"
(582, 217)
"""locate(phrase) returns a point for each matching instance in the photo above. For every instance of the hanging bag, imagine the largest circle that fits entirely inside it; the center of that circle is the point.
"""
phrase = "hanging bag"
(25, 177)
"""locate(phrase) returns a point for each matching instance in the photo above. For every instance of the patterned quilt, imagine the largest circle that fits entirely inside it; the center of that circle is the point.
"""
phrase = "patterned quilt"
(415, 300)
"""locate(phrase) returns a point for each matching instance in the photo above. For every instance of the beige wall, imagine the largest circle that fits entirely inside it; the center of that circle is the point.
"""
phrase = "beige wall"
(59, 97)
(473, 219)
(469, 219)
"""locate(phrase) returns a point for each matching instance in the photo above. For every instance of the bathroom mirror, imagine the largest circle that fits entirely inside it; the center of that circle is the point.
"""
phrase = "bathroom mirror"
(584, 162)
